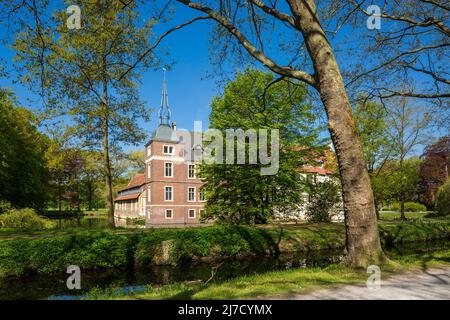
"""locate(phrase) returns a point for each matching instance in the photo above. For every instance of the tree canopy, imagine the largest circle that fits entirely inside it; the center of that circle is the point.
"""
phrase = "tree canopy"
(24, 176)
(239, 193)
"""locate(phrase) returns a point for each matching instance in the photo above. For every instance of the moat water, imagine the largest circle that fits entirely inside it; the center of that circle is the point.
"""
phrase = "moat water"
(54, 286)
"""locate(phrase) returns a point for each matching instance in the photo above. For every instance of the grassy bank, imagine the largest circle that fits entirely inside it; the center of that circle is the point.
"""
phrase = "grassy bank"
(22, 254)
(277, 284)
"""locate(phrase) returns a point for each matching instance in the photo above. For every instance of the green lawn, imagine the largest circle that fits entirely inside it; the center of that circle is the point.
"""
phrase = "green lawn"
(278, 283)
(48, 251)
(394, 215)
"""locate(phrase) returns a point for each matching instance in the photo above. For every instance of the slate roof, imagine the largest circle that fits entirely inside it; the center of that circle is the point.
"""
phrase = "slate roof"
(164, 133)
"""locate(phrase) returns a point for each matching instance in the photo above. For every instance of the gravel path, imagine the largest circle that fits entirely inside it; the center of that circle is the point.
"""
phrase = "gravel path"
(430, 284)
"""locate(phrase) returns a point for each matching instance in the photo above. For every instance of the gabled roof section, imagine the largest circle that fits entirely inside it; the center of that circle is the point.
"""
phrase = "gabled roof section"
(137, 181)
(127, 197)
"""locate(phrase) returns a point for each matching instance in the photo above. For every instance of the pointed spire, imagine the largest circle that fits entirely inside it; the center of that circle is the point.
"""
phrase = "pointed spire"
(164, 111)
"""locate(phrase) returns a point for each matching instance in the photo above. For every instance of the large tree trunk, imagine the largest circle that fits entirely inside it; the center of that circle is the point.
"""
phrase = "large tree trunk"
(362, 236)
(106, 160)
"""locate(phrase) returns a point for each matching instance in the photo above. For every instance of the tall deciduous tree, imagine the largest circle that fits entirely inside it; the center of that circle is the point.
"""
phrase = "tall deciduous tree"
(434, 169)
(236, 18)
(377, 147)
(407, 123)
(23, 174)
(79, 71)
(238, 193)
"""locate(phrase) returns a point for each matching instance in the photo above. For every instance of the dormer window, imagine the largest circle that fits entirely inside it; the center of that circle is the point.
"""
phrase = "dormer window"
(168, 149)
(191, 171)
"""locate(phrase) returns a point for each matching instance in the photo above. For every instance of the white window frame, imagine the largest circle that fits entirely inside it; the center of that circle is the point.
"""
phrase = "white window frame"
(168, 147)
(188, 171)
(149, 194)
(189, 213)
(149, 151)
(165, 193)
(200, 198)
(171, 170)
(195, 195)
(171, 213)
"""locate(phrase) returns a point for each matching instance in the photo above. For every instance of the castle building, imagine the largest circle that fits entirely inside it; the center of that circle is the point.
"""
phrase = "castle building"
(169, 192)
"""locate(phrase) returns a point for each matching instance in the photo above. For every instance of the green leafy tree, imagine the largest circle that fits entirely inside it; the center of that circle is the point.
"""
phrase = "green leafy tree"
(23, 173)
(442, 202)
(324, 198)
(82, 72)
(377, 147)
(239, 193)
(400, 181)
(407, 127)
(90, 180)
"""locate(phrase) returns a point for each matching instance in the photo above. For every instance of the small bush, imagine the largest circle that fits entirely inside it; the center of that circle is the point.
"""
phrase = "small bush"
(409, 207)
(5, 206)
(324, 198)
(24, 218)
(442, 202)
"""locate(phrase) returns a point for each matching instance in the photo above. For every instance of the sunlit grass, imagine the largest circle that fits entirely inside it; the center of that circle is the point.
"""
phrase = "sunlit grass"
(394, 215)
(280, 284)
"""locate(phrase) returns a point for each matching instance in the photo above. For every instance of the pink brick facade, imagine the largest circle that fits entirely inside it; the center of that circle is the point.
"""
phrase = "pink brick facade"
(168, 193)
(173, 187)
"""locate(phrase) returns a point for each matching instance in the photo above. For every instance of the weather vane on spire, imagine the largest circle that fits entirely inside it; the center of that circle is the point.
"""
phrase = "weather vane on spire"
(164, 111)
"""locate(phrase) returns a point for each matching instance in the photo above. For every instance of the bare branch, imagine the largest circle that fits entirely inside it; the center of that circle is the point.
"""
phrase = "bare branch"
(165, 34)
(251, 49)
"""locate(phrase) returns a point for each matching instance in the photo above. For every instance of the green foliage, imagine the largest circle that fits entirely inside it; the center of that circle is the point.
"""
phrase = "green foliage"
(105, 249)
(409, 207)
(86, 74)
(23, 175)
(324, 198)
(54, 254)
(24, 219)
(239, 193)
(442, 202)
(414, 231)
(398, 181)
(81, 74)
(372, 127)
(4, 206)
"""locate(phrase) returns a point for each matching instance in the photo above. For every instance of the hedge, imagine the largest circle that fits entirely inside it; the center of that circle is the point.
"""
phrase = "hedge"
(106, 249)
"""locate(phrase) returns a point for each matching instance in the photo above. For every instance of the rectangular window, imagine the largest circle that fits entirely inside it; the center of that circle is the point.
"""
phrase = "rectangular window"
(191, 194)
(201, 195)
(169, 214)
(191, 171)
(201, 212)
(168, 149)
(168, 169)
(191, 213)
(168, 194)
(149, 194)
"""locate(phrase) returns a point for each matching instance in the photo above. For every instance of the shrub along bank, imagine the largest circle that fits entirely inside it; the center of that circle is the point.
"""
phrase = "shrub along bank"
(112, 249)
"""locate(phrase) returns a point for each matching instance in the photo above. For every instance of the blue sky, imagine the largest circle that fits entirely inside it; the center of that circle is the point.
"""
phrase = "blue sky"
(189, 94)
